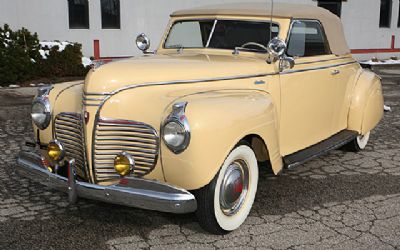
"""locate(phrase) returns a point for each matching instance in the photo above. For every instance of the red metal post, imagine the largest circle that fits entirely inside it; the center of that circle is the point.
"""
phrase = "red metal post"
(96, 47)
(393, 41)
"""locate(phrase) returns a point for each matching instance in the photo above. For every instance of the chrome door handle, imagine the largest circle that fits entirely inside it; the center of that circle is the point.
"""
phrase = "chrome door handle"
(335, 72)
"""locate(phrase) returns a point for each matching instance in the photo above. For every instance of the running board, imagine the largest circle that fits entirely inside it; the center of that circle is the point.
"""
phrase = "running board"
(336, 141)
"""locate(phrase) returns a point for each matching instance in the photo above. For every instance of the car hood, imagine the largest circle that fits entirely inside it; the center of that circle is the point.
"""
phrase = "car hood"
(171, 68)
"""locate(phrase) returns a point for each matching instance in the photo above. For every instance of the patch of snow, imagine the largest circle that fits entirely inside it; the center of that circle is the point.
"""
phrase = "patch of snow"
(387, 108)
(61, 45)
(382, 62)
(14, 86)
(41, 84)
(33, 60)
(86, 61)
(7, 34)
(44, 53)
(32, 85)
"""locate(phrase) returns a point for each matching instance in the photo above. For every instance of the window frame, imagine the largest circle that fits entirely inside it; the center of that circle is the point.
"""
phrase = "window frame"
(87, 13)
(390, 15)
(216, 19)
(326, 41)
(102, 17)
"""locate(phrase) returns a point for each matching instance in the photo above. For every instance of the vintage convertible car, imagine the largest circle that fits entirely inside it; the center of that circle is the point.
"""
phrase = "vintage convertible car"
(231, 89)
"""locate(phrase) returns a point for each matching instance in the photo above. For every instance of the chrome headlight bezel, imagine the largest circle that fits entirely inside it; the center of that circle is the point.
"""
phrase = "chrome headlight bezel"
(178, 117)
(45, 105)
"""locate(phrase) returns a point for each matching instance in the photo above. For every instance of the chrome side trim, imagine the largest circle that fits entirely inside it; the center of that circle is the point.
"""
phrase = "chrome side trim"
(69, 87)
(131, 192)
(325, 60)
(316, 68)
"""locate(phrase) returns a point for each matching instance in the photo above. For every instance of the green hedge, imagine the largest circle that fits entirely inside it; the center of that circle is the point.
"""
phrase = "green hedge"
(21, 61)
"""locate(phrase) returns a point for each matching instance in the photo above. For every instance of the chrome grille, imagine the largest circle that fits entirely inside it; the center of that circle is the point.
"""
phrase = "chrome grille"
(68, 130)
(115, 136)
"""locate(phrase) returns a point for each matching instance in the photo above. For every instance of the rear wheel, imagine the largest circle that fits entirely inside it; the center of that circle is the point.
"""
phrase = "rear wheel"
(225, 203)
(359, 143)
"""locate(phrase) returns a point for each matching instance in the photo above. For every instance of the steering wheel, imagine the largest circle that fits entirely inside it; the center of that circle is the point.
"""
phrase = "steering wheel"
(254, 44)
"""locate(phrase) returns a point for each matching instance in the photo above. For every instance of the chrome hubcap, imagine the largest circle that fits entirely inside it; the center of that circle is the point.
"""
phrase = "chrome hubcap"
(234, 187)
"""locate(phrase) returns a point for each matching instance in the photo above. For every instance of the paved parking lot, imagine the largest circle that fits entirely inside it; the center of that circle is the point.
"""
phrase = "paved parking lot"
(339, 201)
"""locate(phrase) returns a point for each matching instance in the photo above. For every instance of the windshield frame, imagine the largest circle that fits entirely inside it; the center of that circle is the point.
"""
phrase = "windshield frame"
(215, 20)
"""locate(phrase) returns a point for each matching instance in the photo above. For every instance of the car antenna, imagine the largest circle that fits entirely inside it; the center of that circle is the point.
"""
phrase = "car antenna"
(269, 59)
(270, 24)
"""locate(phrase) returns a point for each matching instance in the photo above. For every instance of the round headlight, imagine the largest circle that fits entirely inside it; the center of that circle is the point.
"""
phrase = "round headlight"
(124, 164)
(175, 136)
(41, 113)
(55, 150)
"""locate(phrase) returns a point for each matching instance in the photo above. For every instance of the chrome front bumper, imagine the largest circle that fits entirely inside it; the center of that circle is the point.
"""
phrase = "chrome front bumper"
(132, 192)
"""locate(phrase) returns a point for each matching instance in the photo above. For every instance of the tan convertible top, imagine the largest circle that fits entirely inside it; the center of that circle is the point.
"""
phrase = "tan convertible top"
(332, 24)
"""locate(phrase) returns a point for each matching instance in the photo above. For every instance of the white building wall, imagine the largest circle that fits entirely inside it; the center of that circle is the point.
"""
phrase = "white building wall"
(49, 18)
(361, 25)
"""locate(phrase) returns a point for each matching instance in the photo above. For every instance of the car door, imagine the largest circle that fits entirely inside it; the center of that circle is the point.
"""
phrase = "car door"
(307, 98)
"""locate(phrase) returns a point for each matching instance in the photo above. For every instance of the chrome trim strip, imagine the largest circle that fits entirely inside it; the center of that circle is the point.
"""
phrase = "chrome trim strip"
(97, 94)
(325, 60)
(131, 192)
(69, 87)
(316, 68)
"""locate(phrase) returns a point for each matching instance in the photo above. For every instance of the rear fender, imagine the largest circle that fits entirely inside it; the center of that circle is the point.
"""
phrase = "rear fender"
(366, 109)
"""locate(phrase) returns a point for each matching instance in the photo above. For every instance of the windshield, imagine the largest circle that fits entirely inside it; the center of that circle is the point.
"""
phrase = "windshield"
(221, 34)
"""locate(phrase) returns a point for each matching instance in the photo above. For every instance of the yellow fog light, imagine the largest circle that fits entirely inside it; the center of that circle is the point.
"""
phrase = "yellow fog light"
(124, 164)
(55, 150)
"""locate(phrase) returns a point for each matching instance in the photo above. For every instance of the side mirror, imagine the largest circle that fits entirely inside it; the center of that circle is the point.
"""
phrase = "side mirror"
(286, 62)
(143, 42)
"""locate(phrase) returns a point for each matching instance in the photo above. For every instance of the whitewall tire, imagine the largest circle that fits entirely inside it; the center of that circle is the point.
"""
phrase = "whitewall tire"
(359, 143)
(225, 203)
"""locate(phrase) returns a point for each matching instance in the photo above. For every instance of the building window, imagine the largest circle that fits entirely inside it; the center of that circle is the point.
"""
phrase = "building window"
(398, 21)
(78, 14)
(110, 14)
(334, 6)
(386, 14)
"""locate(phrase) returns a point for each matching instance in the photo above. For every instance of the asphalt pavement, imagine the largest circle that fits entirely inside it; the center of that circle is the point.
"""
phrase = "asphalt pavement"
(341, 200)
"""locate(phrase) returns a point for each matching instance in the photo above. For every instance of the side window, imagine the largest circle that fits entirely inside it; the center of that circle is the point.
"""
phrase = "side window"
(307, 38)
(78, 14)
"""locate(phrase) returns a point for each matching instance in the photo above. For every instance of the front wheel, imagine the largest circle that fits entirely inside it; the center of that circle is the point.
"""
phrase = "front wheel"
(225, 203)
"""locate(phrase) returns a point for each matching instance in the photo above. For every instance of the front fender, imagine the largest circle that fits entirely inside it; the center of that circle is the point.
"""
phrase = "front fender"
(366, 109)
(64, 97)
(218, 121)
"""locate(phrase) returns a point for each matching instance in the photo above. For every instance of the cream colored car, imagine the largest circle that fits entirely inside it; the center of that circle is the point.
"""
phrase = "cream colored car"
(186, 128)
